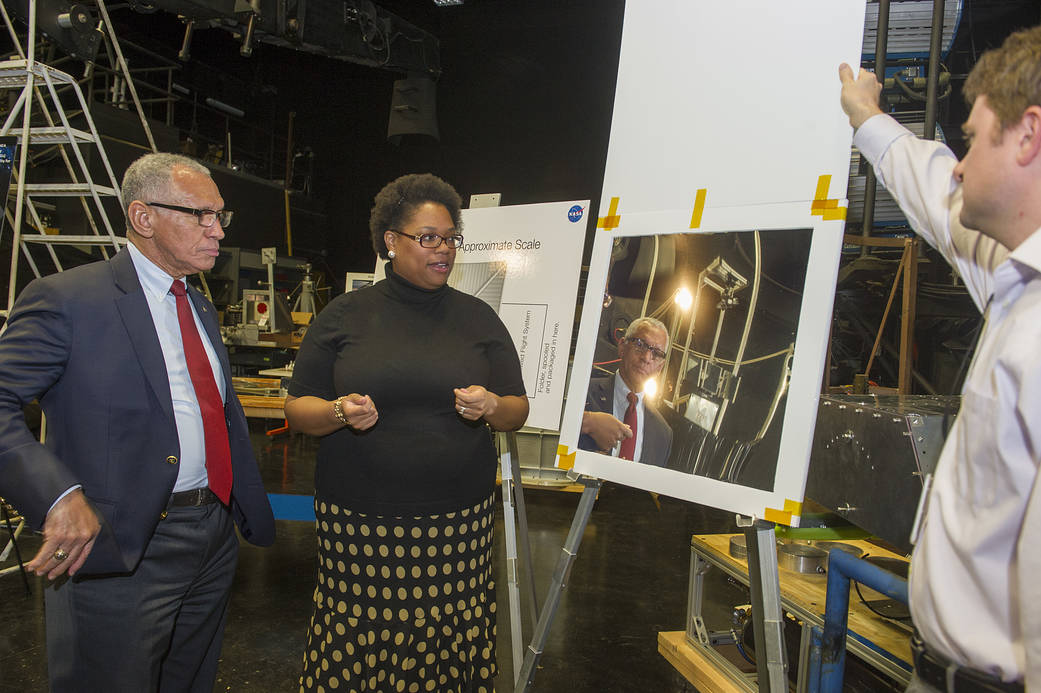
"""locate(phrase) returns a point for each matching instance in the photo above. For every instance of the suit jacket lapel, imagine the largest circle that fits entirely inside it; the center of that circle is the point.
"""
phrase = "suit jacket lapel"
(137, 318)
(605, 397)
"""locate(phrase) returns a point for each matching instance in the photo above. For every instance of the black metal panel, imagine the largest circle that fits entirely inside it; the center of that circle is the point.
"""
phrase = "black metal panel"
(869, 454)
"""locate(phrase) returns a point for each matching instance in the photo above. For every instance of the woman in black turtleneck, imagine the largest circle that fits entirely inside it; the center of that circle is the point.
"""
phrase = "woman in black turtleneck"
(402, 379)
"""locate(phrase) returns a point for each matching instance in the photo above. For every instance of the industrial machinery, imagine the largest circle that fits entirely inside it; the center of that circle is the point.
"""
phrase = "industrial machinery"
(871, 454)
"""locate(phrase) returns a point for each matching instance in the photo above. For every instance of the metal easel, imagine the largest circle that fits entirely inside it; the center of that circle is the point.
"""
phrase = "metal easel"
(764, 581)
(515, 517)
(561, 575)
(767, 619)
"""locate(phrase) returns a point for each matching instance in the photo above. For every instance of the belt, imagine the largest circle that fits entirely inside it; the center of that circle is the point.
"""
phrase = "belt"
(193, 498)
(944, 675)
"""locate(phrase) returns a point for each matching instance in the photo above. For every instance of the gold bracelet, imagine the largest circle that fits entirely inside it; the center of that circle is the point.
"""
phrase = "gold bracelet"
(338, 411)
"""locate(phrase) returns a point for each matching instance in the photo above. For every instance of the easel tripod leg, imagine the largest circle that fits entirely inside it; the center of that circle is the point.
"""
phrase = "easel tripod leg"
(560, 580)
(767, 621)
(522, 521)
(510, 531)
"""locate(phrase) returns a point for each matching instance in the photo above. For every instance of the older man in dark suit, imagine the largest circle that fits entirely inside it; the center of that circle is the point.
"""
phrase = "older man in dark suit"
(147, 465)
(618, 419)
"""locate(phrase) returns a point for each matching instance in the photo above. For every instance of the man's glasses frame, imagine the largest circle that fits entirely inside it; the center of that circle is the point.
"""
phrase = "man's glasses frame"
(222, 216)
(643, 347)
(433, 240)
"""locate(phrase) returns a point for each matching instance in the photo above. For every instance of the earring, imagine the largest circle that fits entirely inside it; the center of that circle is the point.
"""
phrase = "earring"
(391, 254)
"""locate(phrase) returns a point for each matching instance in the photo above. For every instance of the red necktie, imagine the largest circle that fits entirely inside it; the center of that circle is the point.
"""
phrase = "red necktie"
(629, 444)
(215, 428)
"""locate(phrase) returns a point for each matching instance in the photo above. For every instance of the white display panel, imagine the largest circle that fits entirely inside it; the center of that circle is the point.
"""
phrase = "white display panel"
(524, 261)
(726, 171)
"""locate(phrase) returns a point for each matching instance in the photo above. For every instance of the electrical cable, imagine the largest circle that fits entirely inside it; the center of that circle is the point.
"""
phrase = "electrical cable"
(856, 586)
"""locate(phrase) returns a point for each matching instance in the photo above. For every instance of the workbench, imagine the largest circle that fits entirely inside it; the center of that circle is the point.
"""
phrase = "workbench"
(881, 643)
(260, 397)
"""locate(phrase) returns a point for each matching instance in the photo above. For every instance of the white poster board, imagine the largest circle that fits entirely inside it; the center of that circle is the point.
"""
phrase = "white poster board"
(524, 261)
(726, 176)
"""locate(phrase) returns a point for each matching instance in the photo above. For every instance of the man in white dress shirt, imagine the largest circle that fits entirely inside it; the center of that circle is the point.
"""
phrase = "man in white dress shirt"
(975, 580)
(619, 420)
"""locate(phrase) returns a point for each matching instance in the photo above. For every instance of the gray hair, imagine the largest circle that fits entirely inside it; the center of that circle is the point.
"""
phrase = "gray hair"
(647, 321)
(149, 177)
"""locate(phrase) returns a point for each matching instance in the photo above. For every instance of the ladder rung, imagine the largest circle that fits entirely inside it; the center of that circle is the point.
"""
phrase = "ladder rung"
(13, 73)
(62, 190)
(63, 239)
(54, 135)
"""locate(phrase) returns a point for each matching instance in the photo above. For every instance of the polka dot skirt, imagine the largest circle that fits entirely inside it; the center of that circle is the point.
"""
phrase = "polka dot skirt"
(402, 604)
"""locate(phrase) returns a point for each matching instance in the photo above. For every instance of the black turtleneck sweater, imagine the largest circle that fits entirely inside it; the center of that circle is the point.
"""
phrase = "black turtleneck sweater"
(406, 348)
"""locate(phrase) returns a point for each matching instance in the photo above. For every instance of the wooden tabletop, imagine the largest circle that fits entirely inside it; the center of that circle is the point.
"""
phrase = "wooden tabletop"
(808, 592)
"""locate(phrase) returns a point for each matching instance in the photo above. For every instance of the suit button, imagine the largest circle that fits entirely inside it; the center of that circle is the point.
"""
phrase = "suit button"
(171, 459)
(162, 515)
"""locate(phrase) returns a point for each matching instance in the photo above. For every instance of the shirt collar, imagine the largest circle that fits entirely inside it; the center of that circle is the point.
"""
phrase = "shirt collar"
(1023, 265)
(1029, 252)
(621, 390)
(153, 280)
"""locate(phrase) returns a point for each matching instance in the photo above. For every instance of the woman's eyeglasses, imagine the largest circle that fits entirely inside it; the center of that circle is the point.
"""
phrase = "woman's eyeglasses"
(433, 240)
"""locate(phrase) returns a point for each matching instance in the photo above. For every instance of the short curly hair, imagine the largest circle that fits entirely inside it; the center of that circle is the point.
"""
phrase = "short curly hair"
(1010, 77)
(399, 199)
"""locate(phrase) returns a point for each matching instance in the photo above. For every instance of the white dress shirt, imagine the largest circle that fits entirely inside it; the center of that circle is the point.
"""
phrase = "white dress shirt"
(621, 404)
(191, 471)
(975, 580)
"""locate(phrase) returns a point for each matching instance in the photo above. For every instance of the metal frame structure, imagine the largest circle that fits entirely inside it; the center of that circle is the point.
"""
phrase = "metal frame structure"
(44, 86)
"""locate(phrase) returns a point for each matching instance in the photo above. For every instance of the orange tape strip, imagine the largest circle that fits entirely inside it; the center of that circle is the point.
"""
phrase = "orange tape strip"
(822, 206)
(783, 517)
(612, 219)
(564, 460)
(777, 517)
(823, 183)
(699, 208)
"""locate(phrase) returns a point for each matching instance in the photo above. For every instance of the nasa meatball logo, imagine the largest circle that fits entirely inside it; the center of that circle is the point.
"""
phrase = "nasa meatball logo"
(575, 213)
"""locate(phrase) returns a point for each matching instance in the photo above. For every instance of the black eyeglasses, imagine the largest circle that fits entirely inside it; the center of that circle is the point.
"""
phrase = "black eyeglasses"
(643, 347)
(206, 217)
(433, 240)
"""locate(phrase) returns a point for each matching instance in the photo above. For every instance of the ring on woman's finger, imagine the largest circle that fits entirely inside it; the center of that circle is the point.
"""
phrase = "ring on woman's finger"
(60, 555)
(462, 410)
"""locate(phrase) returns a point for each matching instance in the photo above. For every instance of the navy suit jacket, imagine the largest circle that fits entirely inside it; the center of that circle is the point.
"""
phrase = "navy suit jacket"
(83, 342)
(657, 435)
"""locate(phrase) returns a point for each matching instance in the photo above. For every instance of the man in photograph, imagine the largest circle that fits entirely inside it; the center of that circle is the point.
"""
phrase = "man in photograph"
(619, 419)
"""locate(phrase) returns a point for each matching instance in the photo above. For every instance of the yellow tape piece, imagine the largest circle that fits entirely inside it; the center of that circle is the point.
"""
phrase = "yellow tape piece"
(612, 219)
(822, 206)
(565, 461)
(777, 516)
(823, 183)
(699, 208)
(783, 517)
(791, 508)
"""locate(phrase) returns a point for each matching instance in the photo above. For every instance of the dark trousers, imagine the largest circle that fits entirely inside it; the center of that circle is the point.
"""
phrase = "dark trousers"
(157, 629)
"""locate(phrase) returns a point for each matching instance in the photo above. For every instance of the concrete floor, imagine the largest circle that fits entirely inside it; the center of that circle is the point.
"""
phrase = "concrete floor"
(629, 581)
